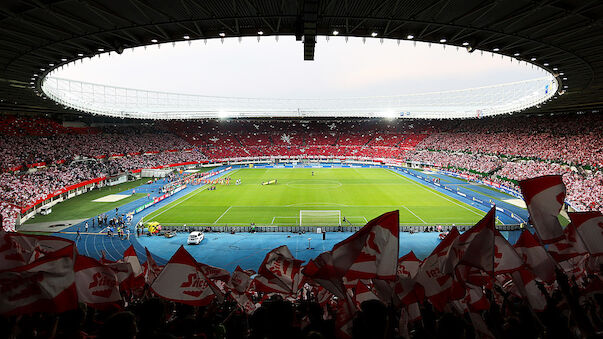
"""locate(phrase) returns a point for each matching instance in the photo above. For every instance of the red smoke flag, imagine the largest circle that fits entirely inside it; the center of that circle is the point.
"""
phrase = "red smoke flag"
(535, 256)
(544, 198)
(589, 226)
(45, 285)
(280, 272)
(96, 284)
(182, 281)
(370, 253)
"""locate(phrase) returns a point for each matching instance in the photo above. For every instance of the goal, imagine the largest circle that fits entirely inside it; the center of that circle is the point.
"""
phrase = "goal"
(320, 218)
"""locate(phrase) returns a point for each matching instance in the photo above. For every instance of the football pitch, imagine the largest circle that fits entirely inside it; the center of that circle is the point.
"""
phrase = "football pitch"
(358, 194)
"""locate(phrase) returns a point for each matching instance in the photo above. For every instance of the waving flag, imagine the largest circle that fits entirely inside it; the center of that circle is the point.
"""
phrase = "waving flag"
(96, 284)
(363, 293)
(544, 198)
(475, 247)
(11, 253)
(214, 273)
(182, 281)
(404, 286)
(280, 272)
(535, 256)
(589, 226)
(240, 280)
(505, 258)
(151, 269)
(439, 287)
(45, 285)
(370, 253)
(568, 247)
(33, 247)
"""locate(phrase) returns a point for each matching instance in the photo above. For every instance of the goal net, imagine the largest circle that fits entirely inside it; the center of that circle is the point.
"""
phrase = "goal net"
(320, 218)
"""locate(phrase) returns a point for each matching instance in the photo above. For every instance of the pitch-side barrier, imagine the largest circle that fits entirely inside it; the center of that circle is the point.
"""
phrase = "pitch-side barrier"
(320, 229)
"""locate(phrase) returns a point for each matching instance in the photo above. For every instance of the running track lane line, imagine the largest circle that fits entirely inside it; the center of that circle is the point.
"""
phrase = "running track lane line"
(436, 193)
(411, 212)
(220, 217)
(192, 194)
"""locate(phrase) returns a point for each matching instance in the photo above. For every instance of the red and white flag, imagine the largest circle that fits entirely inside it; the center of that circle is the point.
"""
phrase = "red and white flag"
(505, 258)
(11, 253)
(370, 253)
(363, 293)
(45, 285)
(151, 269)
(280, 272)
(182, 281)
(131, 258)
(475, 247)
(404, 286)
(240, 280)
(34, 247)
(589, 226)
(525, 282)
(439, 287)
(544, 197)
(535, 256)
(214, 273)
(96, 284)
(568, 247)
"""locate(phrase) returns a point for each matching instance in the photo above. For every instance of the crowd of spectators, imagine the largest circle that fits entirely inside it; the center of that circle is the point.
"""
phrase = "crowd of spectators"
(472, 162)
(584, 185)
(502, 149)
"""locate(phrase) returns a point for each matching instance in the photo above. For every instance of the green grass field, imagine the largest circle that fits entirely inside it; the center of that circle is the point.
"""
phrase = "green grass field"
(83, 206)
(359, 193)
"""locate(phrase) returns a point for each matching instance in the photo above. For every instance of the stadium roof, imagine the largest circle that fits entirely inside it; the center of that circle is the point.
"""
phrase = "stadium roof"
(563, 36)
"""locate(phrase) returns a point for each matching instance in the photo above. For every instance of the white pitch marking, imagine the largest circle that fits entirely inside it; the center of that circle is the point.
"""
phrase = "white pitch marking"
(192, 194)
(411, 212)
(220, 217)
(436, 193)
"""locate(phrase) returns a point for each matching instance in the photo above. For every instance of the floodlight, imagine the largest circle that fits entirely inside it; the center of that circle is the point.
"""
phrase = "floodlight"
(260, 32)
(516, 54)
(222, 34)
(496, 49)
(374, 34)
(80, 54)
(443, 40)
(533, 59)
(154, 40)
(101, 49)
(465, 43)
(335, 32)
(545, 64)
(410, 37)
(63, 59)
(186, 37)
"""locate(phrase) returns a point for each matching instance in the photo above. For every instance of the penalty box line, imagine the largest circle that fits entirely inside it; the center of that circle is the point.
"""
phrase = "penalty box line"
(185, 198)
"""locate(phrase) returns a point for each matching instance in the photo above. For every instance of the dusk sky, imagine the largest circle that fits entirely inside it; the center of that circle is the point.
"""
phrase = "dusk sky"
(277, 70)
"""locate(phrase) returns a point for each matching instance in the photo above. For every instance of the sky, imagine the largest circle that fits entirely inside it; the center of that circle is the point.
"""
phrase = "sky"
(275, 69)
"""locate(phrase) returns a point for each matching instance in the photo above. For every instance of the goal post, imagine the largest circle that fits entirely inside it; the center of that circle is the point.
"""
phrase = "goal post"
(320, 218)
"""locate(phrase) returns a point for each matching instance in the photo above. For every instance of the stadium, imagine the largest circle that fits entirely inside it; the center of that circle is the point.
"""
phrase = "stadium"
(311, 169)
